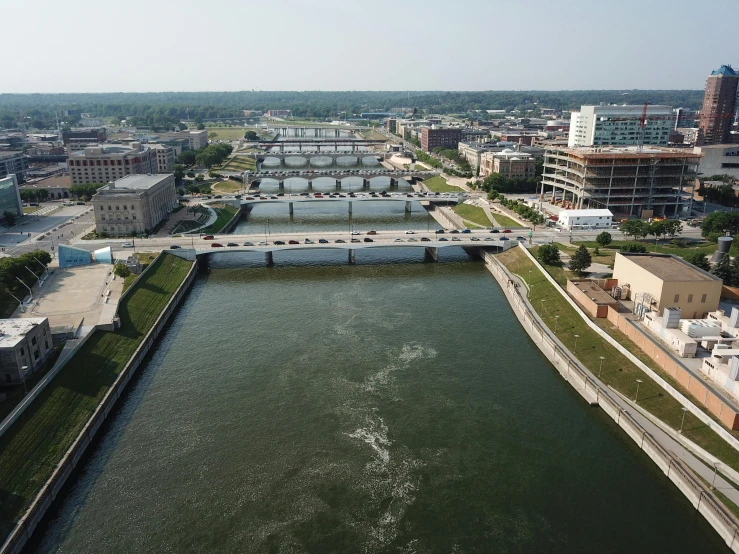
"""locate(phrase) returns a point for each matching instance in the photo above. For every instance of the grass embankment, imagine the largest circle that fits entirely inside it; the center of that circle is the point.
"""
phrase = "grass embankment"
(229, 186)
(36, 443)
(505, 221)
(239, 163)
(439, 184)
(234, 133)
(474, 214)
(225, 213)
(30, 209)
(145, 258)
(374, 135)
(618, 371)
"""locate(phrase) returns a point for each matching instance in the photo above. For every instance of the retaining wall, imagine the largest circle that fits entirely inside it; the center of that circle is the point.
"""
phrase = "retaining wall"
(700, 496)
(25, 527)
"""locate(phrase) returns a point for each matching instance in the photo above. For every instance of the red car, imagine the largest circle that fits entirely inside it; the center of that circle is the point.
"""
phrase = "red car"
(293, 242)
(208, 237)
(506, 231)
(216, 245)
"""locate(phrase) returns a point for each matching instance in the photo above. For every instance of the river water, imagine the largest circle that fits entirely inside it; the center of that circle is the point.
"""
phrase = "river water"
(390, 406)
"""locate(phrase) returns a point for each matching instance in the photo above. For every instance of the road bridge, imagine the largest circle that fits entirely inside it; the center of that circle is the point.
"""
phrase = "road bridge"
(356, 157)
(337, 174)
(316, 144)
(291, 200)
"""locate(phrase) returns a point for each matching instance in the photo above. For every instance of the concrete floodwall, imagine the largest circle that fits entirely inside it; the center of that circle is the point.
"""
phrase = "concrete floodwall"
(672, 391)
(585, 383)
(26, 525)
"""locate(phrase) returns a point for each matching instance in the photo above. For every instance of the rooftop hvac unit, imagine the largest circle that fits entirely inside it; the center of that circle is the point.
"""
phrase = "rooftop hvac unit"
(734, 318)
(671, 318)
(734, 368)
(616, 293)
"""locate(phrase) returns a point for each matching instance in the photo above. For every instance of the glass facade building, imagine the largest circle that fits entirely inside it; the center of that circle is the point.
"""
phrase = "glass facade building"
(10, 199)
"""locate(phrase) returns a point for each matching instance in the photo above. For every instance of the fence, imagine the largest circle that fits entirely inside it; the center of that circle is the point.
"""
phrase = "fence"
(725, 524)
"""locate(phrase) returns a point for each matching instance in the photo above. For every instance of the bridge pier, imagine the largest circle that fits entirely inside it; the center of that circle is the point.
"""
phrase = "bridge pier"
(310, 185)
(268, 259)
(338, 184)
(352, 256)
(350, 206)
(431, 254)
(393, 182)
(291, 207)
(281, 185)
(408, 204)
(203, 262)
(366, 183)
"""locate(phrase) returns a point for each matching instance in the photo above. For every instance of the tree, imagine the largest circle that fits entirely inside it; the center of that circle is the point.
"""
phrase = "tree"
(635, 227)
(698, 259)
(251, 135)
(720, 223)
(10, 217)
(178, 170)
(722, 270)
(735, 272)
(187, 157)
(580, 260)
(656, 228)
(549, 254)
(604, 239)
(634, 247)
(199, 178)
(121, 270)
(201, 126)
(673, 227)
(212, 135)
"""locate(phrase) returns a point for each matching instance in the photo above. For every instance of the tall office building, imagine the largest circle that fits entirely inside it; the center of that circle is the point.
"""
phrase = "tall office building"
(719, 106)
(619, 125)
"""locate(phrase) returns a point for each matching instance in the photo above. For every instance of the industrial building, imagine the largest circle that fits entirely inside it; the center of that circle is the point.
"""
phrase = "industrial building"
(625, 180)
(719, 106)
(620, 125)
(25, 343)
(657, 281)
(134, 204)
(107, 162)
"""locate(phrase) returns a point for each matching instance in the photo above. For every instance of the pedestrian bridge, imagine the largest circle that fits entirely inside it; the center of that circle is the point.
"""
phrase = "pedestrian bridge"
(356, 157)
(338, 174)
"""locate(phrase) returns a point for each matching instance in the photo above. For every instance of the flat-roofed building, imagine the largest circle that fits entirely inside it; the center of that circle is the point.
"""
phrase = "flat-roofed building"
(87, 135)
(164, 156)
(15, 163)
(195, 139)
(25, 344)
(586, 219)
(510, 163)
(620, 125)
(658, 281)
(719, 159)
(628, 182)
(134, 204)
(107, 162)
(444, 137)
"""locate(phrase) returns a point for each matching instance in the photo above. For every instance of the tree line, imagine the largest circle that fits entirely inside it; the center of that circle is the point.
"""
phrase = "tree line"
(25, 268)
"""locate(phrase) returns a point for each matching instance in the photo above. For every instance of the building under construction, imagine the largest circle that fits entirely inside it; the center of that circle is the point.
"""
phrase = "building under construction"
(629, 182)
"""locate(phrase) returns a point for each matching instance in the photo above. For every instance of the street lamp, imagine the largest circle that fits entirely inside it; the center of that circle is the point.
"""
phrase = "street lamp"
(542, 305)
(636, 398)
(556, 321)
(576, 337)
(25, 285)
(23, 376)
(529, 281)
(715, 470)
(600, 371)
(685, 411)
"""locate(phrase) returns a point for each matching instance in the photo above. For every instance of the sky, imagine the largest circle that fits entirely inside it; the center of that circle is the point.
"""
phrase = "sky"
(197, 45)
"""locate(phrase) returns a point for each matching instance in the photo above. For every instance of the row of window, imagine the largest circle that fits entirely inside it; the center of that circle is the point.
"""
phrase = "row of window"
(125, 207)
(102, 217)
(690, 298)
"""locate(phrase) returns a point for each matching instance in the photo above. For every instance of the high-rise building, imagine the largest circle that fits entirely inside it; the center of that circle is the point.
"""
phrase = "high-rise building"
(14, 163)
(620, 125)
(107, 162)
(719, 106)
(433, 137)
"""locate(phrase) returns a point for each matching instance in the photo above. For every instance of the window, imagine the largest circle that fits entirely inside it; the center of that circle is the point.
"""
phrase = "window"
(690, 298)
(35, 354)
(23, 351)
(33, 341)
(677, 298)
(46, 344)
(703, 299)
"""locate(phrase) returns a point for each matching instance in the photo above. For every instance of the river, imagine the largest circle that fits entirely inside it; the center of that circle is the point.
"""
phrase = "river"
(389, 406)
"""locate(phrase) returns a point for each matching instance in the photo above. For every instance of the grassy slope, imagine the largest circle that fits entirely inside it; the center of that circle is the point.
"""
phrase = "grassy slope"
(30, 450)
(225, 214)
(473, 213)
(618, 371)
(439, 184)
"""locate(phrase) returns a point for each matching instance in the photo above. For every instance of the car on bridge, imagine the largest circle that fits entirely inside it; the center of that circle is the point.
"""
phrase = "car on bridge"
(232, 244)
(466, 231)
(444, 239)
(340, 241)
(175, 247)
(409, 232)
(367, 239)
(247, 243)
(322, 241)
(293, 241)
(216, 245)
(425, 239)
(279, 242)
(208, 237)
(308, 241)
(124, 245)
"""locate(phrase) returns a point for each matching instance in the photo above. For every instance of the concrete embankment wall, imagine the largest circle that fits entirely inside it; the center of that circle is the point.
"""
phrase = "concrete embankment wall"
(48, 493)
(585, 383)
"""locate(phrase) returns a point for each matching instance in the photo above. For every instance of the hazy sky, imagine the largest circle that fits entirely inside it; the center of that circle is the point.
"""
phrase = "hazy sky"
(195, 45)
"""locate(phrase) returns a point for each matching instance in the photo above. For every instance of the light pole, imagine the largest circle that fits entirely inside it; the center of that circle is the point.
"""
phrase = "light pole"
(715, 470)
(556, 321)
(542, 306)
(25, 285)
(16, 299)
(600, 371)
(23, 376)
(576, 337)
(685, 411)
(46, 269)
(636, 398)
(38, 279)
(529, 281)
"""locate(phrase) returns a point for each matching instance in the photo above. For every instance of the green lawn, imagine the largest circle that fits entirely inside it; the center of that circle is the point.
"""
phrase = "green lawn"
(225, 214)
(145, 258)
(35, 444)
(229, 186)
(239, 163)
(505, 221)
(618, 371)
(439, 184)
(473, 213)
(30, 209)
(663, 247)
(233, 133)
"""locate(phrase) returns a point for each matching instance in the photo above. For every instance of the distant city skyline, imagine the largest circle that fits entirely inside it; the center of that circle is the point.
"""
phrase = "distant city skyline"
(224, 45)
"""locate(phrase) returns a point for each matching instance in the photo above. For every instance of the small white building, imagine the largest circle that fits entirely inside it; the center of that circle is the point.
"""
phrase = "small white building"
(586, 219)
